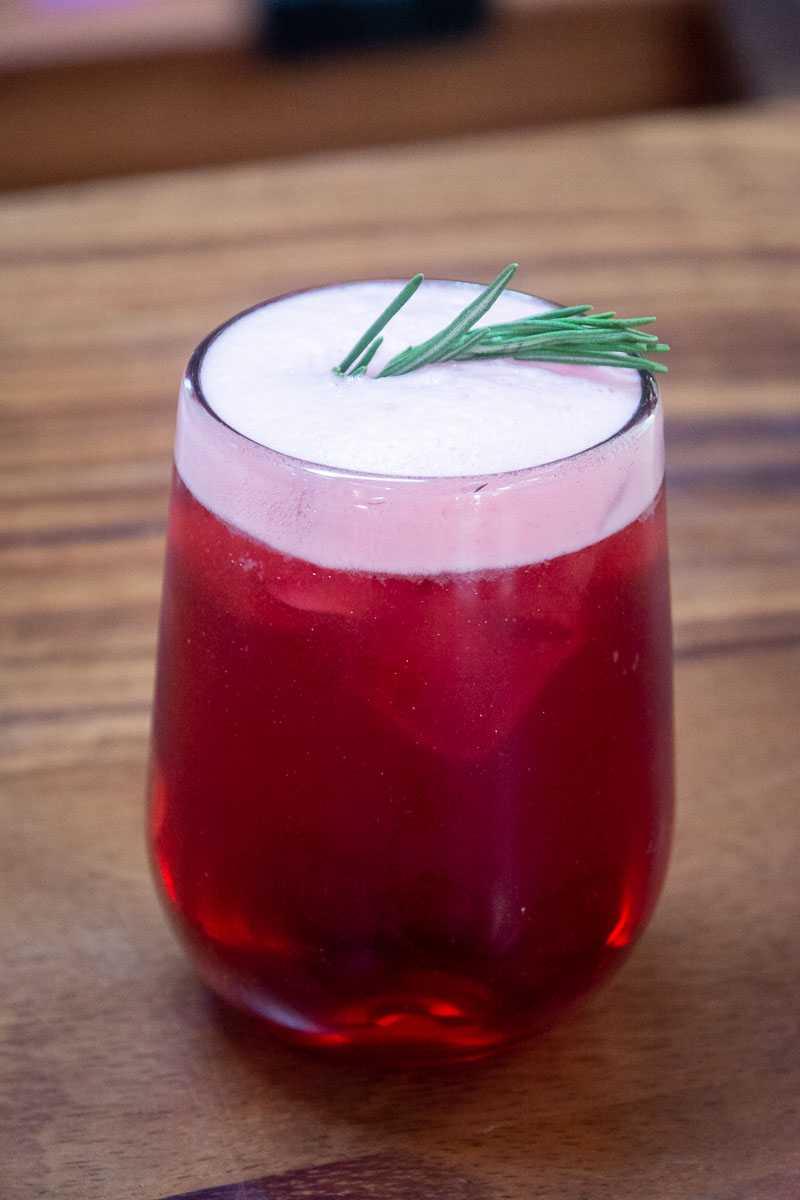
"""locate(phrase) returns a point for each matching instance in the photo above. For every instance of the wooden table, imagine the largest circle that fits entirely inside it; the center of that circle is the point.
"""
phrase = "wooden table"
(120, 1080)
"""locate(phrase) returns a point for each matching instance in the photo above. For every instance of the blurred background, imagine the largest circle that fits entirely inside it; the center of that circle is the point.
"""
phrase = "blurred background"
(92, 88)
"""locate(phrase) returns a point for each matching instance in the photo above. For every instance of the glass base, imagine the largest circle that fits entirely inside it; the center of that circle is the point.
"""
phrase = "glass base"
(419, 1028)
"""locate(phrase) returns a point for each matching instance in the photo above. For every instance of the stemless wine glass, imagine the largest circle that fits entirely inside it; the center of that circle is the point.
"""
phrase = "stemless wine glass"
(407, 798)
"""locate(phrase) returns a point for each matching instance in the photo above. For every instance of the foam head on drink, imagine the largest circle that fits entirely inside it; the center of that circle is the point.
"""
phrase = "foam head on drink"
(460, 430)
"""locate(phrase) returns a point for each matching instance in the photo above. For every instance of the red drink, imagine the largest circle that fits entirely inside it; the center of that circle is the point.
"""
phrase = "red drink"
(416, 812)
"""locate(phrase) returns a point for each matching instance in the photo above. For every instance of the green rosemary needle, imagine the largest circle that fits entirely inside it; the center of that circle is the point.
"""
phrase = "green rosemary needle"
(372, 349)
(572, 334)
(377, 325)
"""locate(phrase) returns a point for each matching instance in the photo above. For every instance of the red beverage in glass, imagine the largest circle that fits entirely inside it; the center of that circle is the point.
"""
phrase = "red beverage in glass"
(414, 811)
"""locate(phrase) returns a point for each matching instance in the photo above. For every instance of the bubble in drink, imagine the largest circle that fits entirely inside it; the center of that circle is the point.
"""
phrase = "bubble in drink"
(412, 767)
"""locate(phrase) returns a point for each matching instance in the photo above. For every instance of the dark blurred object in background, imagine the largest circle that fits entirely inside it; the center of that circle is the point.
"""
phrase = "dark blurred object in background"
(295, 28)
(763, 38)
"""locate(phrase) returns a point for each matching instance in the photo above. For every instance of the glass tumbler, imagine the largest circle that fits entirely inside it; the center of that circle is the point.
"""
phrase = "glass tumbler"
(416, 802)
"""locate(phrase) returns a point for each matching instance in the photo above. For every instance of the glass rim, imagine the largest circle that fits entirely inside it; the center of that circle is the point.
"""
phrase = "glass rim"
(648, 400)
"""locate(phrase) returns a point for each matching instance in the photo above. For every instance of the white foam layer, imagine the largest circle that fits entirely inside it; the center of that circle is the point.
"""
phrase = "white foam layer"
(485, 465)
(269, 376)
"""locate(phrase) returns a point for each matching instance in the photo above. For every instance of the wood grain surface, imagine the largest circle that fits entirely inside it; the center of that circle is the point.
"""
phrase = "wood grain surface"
(121, 1080)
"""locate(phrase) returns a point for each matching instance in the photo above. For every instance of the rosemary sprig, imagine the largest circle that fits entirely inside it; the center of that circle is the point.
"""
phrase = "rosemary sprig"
(452, 335)
(566, 335)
